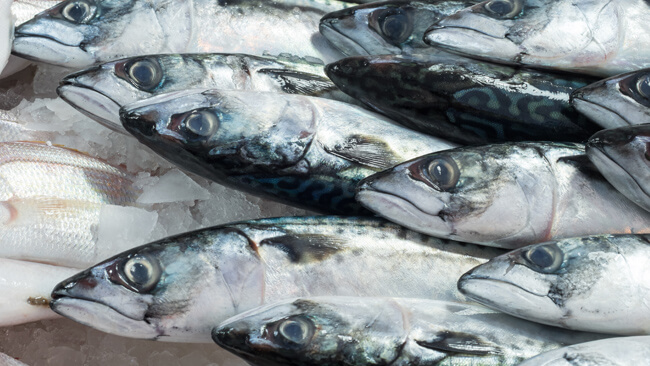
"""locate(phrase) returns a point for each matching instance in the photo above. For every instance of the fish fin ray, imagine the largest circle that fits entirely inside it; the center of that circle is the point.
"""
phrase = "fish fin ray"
(365, 150)
(460, 343)
(295, 82)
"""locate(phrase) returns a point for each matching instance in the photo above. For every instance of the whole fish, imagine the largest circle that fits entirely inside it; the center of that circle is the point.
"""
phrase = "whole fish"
(78, 33)
(571, 283)
(618, 101)
(179, 288)
(621, 156)
(386, 27)
(597, 37)
(51, 200)
(101, 91)
(605, 352)
(506, 195)
(26, 288)
(354, 331)
(464, 100)
(6, 32)
(302, 150)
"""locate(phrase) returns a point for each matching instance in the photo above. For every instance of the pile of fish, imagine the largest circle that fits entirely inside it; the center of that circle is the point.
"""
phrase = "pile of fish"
(491, 187)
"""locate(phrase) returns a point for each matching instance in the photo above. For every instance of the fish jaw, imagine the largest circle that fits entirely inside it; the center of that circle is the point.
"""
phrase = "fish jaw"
(330, 29)
(93, 104)
(43, 39)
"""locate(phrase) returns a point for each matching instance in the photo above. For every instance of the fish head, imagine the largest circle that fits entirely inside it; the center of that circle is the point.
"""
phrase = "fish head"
(459, 194)
(622, 155)
(540, 32)
(618, 101)
(312, 331)
(235, 130)
(387, 27)
(168, 290)
(549, 282)
(79, 33)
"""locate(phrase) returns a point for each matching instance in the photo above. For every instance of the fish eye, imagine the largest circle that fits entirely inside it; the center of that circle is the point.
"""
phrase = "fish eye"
(637, 87)
(443, 172)
(78, 12)
(546, 258)
(296, 330)
(503, 8)
(643, 86)
(144, 74)
(394, 24)
(141, 273)
(201, 123)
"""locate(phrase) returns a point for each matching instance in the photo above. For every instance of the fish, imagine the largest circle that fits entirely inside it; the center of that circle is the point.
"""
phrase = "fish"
(619, 101)
(9, 361)
(604, 352)
(466, 101)
(51, 201)
(13, 130)
(604, 37)
(507, 195)
(6, 32)
(354, 331)
(386, 27)
(621, 156)
(100, 91)
(305, 151)
(179, 288)
(570, 283)
(26, 288)
(80, 33)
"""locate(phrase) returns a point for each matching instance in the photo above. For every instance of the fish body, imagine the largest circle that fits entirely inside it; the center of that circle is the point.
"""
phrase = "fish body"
(101, 91)
(570, 283)
(605, 352)
(11, 130)
(51, 201)
(353, 331)
(465, 100)
(621, 156)
(506, 195)
(604, 38)
(303, 150)
(619, 101)
(386, 27)
(78, 33)
(26, 288)
(6, 32)
(179, 288)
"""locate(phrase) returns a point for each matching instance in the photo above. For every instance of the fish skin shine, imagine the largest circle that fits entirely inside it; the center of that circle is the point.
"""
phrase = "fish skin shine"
(504, 195)
(179, 288)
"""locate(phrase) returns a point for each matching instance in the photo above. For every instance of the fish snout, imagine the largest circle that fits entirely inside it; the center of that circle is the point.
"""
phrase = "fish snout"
(82, 281)
(233, 336)
(334, 17)
(137, 122)
(610, 137)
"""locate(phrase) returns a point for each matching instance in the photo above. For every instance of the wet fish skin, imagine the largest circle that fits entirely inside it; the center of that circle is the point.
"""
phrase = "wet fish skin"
(101, 91)
(506, 195)
(80, 33)
(195, 280)
(604, 38)
(6, 32)
(9, 361)
(606, 352)
(621, 100)
(357, 331)
(570, 283)
(621, 156)
(386, 27)
(26, 289)
(466, 101)
(302, 150)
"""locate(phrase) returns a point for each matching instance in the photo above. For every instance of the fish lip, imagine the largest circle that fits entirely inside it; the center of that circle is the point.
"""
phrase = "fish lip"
(62, 297)
(19, 34)
(326, 28)
(466, 278)
(66, 55)
(580, 99)
(63, 89)
(368, 188)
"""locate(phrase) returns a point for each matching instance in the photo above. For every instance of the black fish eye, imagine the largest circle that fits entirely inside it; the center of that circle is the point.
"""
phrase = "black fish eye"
(144, 74)
(503, 8)
(443, 172)
(637, 87)
(201, 123)
(395, 25)
(141, 273)
(296, 330)
(643, 86)
(78, 12)
(545, 258)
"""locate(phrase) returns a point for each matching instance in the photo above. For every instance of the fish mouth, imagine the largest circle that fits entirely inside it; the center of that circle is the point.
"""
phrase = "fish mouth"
(100, 316)
(619, 177)
(92, 103)
(473, 42)
(342, 42)
(45, 49)
(595, 111)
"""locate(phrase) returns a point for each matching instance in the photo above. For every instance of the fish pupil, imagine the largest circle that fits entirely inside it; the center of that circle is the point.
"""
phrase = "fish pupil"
(541, 257)
(76, 12)
(394, 26)
(143, 73)
(293, 331)
(202, 123)
(139, 273)
(644, 86)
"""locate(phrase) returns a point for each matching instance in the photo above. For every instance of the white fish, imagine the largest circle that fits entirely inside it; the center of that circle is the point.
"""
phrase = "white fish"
(26, 289)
